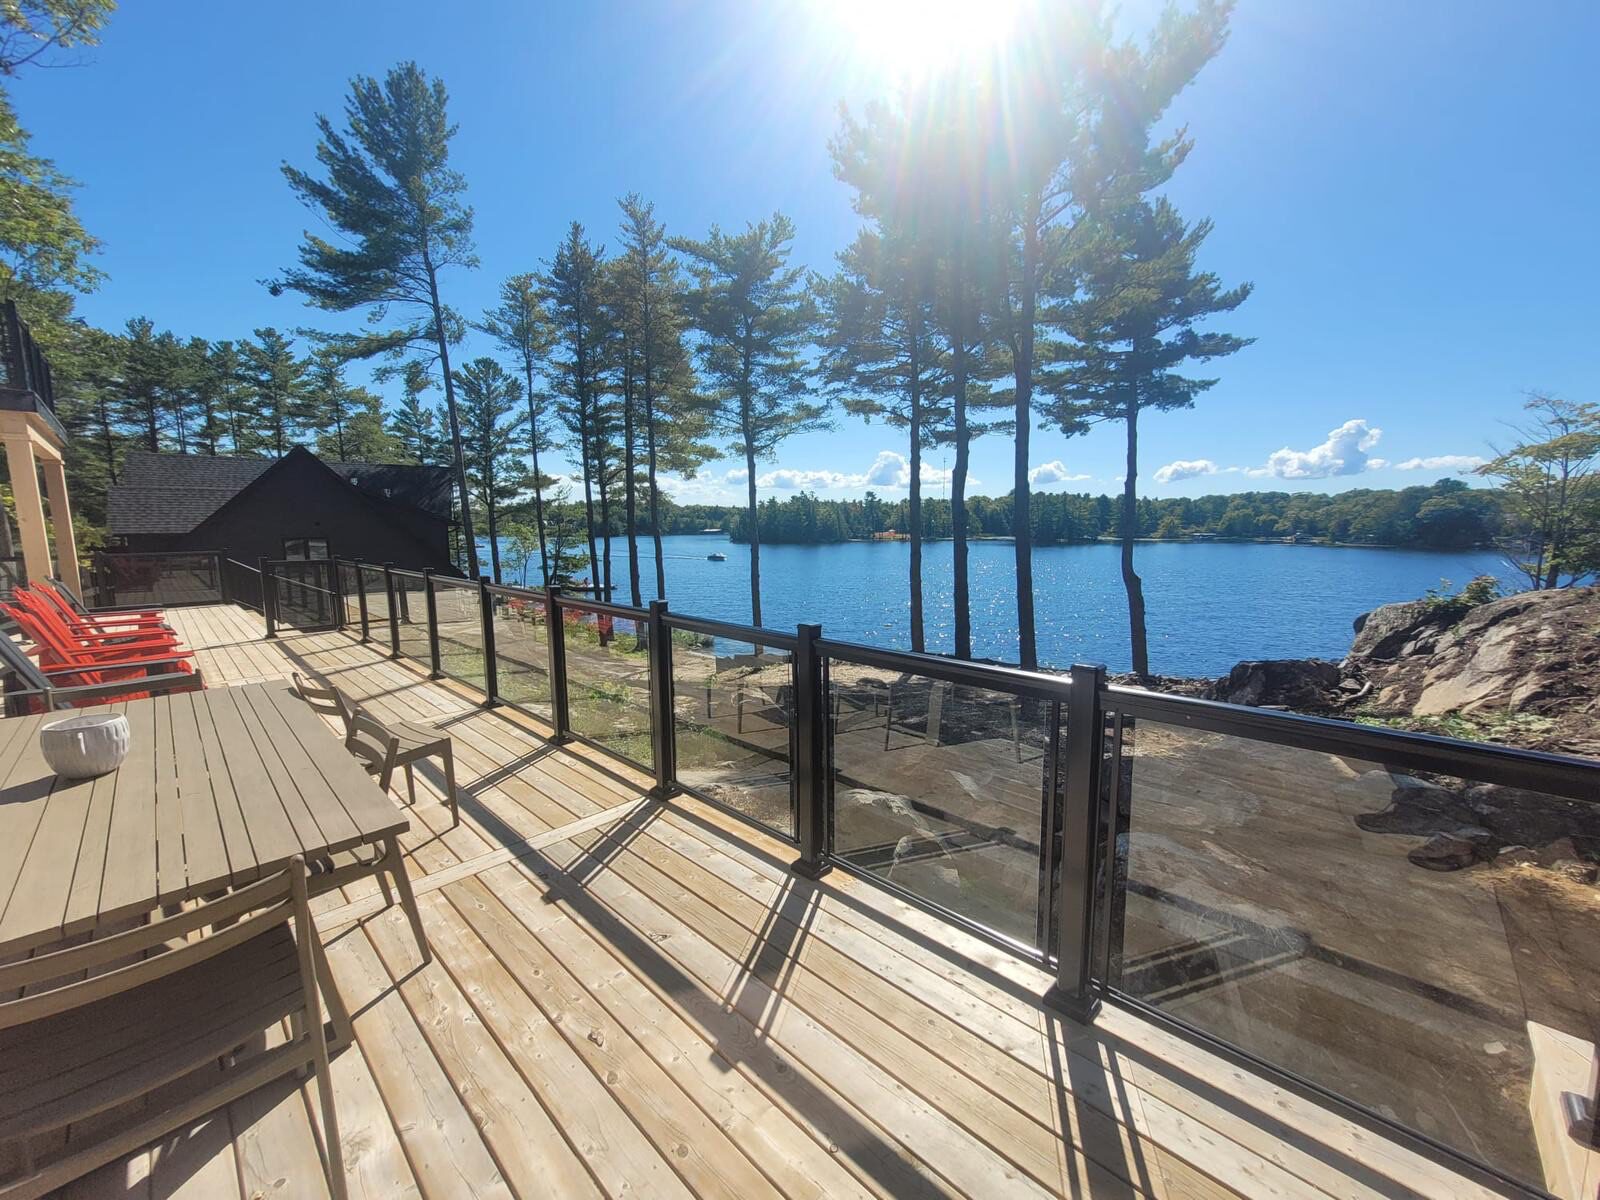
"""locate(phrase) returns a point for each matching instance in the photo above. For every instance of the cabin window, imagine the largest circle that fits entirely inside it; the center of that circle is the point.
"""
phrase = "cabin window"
(305, 548)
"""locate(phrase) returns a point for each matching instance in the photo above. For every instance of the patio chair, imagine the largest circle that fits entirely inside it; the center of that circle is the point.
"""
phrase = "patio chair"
(106, 1023)
(383, 746)
(383, 863)
(75, 602)
(45, 690)
(125, 624)
(58, 646)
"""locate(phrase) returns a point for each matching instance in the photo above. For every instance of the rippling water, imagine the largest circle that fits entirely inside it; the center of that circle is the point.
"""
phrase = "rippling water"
(1210, 604)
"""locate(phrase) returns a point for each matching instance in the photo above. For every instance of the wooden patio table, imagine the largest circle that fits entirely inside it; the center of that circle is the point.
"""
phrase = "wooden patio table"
(219, 787)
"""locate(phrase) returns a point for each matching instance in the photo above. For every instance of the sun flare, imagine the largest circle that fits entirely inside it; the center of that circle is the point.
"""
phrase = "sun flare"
(905, 38)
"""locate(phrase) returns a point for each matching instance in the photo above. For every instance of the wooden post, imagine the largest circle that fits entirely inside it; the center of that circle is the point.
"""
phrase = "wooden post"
(55, 482)
(24, 470)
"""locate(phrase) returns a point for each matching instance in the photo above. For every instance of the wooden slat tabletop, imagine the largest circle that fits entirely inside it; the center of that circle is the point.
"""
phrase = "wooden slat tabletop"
(219, 786)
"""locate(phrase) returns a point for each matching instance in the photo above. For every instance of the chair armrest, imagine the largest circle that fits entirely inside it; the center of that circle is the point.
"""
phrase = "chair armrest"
(180, 680)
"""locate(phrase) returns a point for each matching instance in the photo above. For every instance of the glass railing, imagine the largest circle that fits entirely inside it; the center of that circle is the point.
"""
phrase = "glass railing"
(461, 638)
(303, 594)
(1386, 919)
(607, 651)
(733, 717)
(158, 580)
(411, 616)
(522, 650)
(349, 592)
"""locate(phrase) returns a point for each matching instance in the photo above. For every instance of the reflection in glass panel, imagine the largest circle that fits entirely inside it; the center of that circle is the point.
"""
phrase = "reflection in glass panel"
(733, 709)
(161, 579)
(377, 604)
(1385, 933)
(522, 652)
(939, 788)
(608, 681)
(304, 595)
(349, 581)
(460, 631)
(411, 602)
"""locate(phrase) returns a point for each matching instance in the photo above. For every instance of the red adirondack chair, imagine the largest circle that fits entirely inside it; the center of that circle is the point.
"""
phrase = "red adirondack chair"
(115, 624)
(55, 647)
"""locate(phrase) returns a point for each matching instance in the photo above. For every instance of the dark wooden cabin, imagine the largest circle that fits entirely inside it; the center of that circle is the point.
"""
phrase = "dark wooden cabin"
(297, 506)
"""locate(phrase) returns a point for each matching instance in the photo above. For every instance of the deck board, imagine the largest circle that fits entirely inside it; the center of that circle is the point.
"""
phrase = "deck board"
(630, 998)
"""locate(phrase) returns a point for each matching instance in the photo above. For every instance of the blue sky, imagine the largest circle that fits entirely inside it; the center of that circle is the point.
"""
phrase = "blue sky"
(1409, 186)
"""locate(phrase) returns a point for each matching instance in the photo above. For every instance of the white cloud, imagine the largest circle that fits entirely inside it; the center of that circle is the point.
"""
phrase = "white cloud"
(1054, 471)
(1346, 452)
(890, 469)
(1441, 462)
(1185, 468)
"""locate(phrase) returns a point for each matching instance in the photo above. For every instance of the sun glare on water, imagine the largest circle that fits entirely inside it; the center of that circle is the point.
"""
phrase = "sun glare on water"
(900, 39)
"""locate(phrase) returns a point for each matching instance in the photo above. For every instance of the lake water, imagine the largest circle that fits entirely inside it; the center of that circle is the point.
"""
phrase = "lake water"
(1210, 604)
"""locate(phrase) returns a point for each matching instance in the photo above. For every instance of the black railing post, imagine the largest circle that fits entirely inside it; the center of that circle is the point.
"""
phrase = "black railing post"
(361, 602)
(432, 606)
(811, 757)
(269, 596)
(560, 715)
(394, 611)
(223, 592)
(1074, 992)
(663, 744)
(491, 668)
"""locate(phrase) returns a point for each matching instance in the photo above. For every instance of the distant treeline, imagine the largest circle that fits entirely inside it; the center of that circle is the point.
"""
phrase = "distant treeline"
(1444, 515)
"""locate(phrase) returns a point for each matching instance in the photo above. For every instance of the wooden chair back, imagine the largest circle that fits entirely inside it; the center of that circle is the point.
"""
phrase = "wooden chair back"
(329, 699)
(370, 740)
(275, 900)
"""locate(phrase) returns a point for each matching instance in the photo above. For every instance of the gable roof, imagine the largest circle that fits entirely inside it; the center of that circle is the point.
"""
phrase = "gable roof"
(175, 493)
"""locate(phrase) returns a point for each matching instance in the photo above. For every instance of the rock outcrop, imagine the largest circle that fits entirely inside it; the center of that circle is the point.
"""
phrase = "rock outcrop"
(1534, 653)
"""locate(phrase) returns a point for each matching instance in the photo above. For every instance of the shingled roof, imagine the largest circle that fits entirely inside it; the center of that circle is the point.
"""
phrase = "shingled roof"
(173, 493)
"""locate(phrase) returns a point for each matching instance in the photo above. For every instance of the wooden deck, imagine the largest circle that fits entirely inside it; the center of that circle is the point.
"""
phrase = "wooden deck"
(636, 998)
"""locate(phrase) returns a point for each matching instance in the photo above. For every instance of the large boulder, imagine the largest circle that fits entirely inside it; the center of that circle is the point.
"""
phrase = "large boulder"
(1534, 652)
(1309, 685)
(1397, 631)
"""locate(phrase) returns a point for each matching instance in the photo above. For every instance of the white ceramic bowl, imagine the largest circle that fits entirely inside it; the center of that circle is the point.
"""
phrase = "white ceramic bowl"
(82, 747)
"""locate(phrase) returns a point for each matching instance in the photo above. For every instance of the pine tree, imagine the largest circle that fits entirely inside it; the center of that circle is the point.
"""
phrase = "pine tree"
(756, 321)
(570, 291)
(281, 401)
(227, 370)
(144, 378)
(391, 193)
(491, 434)
(519, 327)
(332, 401)
(1130, 318)
(882, 358)
(651, 295)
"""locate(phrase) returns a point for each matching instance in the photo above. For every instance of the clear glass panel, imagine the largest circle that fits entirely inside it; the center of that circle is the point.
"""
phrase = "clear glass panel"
(522, 652)
(460, 631)
(1389, 934)
(940, 789)
(159, 579)
(733, 710)
(377, 604)
(349, 581)
(608, 681)
(411, 603)
(304, 593)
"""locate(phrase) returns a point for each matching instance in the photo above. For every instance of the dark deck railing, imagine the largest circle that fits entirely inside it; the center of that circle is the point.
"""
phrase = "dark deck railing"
(1223, 869)
(24, 365)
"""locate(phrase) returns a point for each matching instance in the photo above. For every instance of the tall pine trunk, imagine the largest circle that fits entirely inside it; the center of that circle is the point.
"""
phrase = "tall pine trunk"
(1130, 522)
(753, 521)
(655, 492)
(1022, 493)
(914, 515)
(588, 491)
(958, 478)
(538, 482)
(630, 503)
(468, 538)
